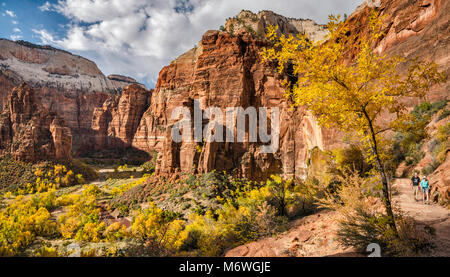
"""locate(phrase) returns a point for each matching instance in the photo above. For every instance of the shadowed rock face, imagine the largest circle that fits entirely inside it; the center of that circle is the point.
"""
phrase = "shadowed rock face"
(116, 122)
(29, 132)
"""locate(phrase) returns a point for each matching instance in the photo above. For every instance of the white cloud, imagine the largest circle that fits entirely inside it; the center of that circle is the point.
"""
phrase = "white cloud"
(15, 37)
(45, 36)
(46, 7)
(10, 13)
(17, 30)
(14, 22)
(138, 37)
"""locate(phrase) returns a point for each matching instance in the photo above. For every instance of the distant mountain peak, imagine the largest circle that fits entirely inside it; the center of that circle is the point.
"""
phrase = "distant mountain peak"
(257, 23)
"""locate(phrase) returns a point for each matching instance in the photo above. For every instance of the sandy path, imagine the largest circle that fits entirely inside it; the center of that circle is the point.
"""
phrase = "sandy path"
(434, 215)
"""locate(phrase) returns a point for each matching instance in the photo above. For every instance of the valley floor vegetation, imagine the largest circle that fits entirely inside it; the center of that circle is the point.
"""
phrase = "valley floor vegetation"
(197, 215)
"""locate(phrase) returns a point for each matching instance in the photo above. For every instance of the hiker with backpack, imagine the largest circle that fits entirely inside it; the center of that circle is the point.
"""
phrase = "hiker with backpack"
(425, 185)
(415, 181)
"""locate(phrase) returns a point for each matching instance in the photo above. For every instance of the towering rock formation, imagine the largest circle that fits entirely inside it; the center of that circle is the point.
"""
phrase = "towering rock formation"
(30, 132)
(116, 122)
(224, 71)
(67, 84)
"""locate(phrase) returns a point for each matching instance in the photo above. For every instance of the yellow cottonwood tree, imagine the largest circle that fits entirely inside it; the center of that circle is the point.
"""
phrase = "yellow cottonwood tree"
(351, 94)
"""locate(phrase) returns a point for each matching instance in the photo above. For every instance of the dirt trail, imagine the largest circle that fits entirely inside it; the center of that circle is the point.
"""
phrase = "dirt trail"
(315, 235)
(434, 215)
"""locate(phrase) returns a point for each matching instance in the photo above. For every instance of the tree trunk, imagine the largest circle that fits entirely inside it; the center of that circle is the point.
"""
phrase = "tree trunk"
(384, 180)
(386, 196)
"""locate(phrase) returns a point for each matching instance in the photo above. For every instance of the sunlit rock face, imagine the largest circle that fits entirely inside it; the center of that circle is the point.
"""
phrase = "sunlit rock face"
(416, 29)
(413, 29)
(247, 21)
(224, 71)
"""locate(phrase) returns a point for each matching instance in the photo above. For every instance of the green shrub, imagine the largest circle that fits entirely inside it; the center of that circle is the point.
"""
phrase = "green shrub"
(363, 228)
(407, 145)
(148, 167)
(14, 173)
(427, 170)
(444, 114)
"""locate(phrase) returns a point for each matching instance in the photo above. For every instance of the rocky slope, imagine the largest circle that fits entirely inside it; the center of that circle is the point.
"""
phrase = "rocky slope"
(310, 236)
(67, 84)
(29, 132)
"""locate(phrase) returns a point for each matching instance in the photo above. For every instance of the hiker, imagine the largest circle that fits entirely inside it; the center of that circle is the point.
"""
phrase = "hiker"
(415, 181)
(425, 185)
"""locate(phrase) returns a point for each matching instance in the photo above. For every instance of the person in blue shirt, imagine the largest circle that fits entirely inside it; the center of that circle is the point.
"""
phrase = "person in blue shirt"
(425, 185)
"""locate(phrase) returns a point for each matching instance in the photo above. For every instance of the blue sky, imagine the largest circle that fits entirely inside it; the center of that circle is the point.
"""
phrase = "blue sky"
(137, 38)
(26, 16)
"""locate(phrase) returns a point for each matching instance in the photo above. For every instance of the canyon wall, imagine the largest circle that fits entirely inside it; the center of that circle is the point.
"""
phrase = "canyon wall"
(116, 121)
(29, 132)
(69, 85)
(413, 29)
(223, 71)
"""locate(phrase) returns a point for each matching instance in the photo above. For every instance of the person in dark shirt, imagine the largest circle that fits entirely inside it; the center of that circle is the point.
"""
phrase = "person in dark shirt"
(415, 181)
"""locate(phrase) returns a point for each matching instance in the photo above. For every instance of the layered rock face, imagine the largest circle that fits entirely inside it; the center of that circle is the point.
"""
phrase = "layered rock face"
(225, 71)
(29, 132)
(440, 180)
(116, 122)
(119, 81)
(414, 29)
(69, 85)
(247, 21)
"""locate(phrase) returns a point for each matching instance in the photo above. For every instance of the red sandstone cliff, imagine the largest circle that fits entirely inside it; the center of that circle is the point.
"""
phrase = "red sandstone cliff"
(69, 85)
(116, 122)
(413, 29)
(29, 132)
(225, 71)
